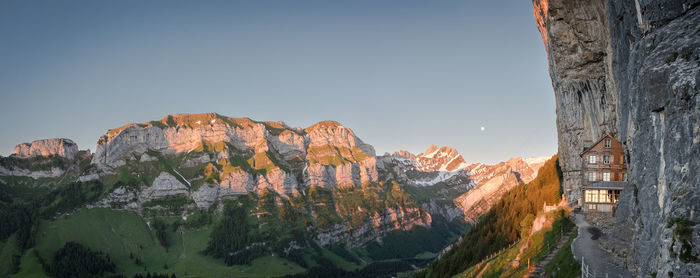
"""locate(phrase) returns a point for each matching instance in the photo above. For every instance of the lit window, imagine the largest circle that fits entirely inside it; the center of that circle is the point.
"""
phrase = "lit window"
(593, 207)
(591, 159)
(605, 196)
(606, 159)
(591, 196)
(607, 143)
(606, 176)
(591, 176)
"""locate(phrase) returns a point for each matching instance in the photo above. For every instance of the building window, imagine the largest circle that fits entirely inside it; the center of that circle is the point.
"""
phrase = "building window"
(591, 196)
(591, 176)
(591, 159)
(606, 159)
(624, 176)
(607, 143)
(605, 196)
(592, 207)
(606, 176)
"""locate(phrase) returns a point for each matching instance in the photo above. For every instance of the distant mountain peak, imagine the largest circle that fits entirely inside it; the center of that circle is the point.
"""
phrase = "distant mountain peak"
(405, 154)
(444, 159)
(324, 125)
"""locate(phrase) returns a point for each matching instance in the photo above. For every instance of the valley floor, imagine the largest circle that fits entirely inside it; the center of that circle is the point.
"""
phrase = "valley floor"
(586, 250)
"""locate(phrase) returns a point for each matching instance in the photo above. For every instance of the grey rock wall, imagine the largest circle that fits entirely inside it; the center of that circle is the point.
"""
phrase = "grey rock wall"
(631, 68)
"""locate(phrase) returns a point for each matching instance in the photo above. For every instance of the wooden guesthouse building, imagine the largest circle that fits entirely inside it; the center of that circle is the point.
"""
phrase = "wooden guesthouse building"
(604, 175)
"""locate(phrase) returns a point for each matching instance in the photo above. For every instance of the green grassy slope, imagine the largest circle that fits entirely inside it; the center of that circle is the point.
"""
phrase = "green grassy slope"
(122, 233)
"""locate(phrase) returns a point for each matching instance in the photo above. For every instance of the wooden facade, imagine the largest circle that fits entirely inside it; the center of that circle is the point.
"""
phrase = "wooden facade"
(604, 174)
(604, 161)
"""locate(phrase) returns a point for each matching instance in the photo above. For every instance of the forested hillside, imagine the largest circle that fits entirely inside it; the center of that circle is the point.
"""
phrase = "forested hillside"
(500, 226)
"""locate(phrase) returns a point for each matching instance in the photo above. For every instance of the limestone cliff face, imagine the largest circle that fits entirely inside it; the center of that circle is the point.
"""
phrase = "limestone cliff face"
(576, 38)
(276, 157)
(631, 68)
(47, 147)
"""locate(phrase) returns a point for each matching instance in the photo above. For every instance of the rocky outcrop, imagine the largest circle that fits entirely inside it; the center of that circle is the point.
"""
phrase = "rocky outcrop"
(492, 181)
(127, 197)
(49, 158)
(238, 181)
(47, 147)
(630, 68)
(165, 185)
(377, 226)
(54, 172)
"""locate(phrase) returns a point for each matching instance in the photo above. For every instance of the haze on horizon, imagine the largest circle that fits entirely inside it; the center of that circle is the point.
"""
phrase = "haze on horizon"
(401, 74)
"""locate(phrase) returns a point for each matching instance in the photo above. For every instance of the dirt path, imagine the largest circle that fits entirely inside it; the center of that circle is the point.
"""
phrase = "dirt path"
(484, 269)
(538, 270)
(516, 262)
(585, 247)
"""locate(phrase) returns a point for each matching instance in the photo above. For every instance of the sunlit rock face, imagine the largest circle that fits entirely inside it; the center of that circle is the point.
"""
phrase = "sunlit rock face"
(492, 181)
(47, 147)
(631, 69)
(326, 154)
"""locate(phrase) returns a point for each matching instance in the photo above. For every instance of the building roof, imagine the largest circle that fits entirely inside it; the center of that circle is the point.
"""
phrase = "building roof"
(596, 143)
(606, 185)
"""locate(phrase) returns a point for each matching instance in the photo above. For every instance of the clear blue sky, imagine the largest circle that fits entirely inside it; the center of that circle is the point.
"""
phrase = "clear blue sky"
(401, 74)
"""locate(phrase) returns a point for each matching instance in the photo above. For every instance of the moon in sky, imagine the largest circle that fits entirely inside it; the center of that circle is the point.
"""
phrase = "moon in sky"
(483, 128)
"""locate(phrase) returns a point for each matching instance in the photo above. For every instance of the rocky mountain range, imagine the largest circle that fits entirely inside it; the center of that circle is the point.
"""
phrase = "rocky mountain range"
(482, 184)
(206, 158)
(318, 186)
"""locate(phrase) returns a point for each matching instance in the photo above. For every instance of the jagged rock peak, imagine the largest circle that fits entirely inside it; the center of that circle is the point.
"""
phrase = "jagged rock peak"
(443, 159)
(47, 147)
